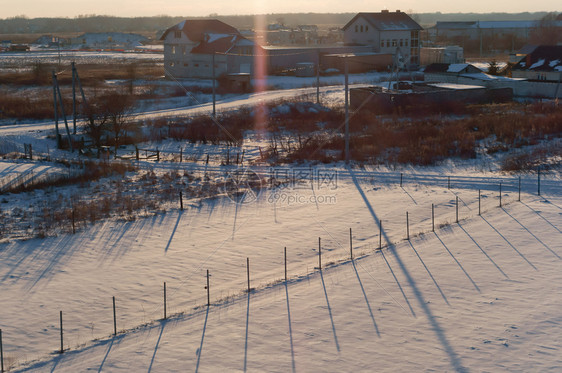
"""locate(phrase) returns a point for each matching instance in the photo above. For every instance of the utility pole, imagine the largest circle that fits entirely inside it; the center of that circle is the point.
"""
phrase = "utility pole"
(346, 111)
(214, 93)
(56, 109)
(318, 77)
(74, 97)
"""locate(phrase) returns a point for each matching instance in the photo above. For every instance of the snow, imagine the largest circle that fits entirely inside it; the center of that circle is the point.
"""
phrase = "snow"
(456, 67)
(537, 64)
(480, 295)
(455, 86)
(215, 37)
(554, 63)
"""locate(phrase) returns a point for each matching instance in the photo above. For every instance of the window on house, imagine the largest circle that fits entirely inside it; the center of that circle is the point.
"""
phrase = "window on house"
(356, 28)
(173, 49)
(177, 34)
(401, 42)
(186, 64)
(382, 43)
(183, 50)
(196, 65)
(366, 28)
(361, 28)
(406, 42)
(171, 64)
(394, 43)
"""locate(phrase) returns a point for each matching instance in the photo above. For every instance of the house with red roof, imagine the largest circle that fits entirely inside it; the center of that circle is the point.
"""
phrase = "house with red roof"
(191, 47)
(388, 32)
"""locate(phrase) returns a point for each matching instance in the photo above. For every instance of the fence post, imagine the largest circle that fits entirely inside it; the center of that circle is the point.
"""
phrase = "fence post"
(478, 202)
(285, 257)
(539, 181)
(407, 226)
(519, 198)
(114, 318)
(181, 200)
(401, 179)
(207, 161)
(1, 354)
(165, 316)
(350, 244)
(181, 155)
(457, 209)
(319, 254)
(380, 234)
(61, 333)
(242, 159)
(73, 225)
(248, 272)
(448, 182)
(208, 290)
(137, 152)
(500, 194)
(157, 155)
(432, 217)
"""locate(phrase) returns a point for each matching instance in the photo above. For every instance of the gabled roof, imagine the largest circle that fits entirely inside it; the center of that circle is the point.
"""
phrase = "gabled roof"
(220, 43)
(543, 58)
(387, 21)
(195, 29)
(453, 68)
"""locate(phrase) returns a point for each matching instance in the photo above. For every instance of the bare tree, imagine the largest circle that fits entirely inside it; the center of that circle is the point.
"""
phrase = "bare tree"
(547, 32)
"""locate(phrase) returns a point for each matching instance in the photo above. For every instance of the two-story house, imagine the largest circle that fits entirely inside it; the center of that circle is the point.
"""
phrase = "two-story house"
(191, 46)
(394, 33)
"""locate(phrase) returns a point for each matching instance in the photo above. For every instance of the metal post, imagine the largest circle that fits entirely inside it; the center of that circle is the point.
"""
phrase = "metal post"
(457, 209)
(165, 316)
(248, 272)
(478, 201)
(318, 77)
(208, 290)
(346, 112)
(74, 97)
(61, 333)
(57, 134)
(114, 318)
(319, 254)
(285, 257)
(432, 217)
(407, 226)
(214, 93)
(380, 234)
(350, 244)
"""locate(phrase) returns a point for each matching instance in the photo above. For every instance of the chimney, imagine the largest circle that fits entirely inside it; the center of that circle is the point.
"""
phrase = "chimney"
(384, 11)
(397, 10)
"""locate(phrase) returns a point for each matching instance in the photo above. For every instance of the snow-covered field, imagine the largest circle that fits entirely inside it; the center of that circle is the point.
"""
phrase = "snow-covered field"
(480, 295)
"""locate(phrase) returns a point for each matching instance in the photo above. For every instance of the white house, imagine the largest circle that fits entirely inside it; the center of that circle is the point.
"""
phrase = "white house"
(191, 46)
(387, 32)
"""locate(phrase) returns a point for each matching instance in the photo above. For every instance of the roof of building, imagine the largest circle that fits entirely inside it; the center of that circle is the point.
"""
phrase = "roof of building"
(220, 43)
(195, 29)
(542, 58)
(453, 68)
(387, 21)
(489, 25)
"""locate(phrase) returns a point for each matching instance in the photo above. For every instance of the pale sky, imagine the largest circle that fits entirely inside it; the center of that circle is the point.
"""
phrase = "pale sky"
(187, 8)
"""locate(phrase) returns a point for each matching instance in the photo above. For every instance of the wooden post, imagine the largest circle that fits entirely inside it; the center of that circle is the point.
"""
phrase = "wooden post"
(248, 272)
(457, 209)
(157, 155)
(181, 155)
(165, 316)
(519, 198)
(181, 200)
(539, 181)
(73, 225)
(242, 159)
(208, 290)
(432, 217)
(137, 152)
(380, 234)
(61, 333)
(400, 179)
(207, 161)
(350, 244)
(500, 194)
(478, 201)
(237, 158)
(1, 354)
(319, 254)
(407, 226)
(114, 318)
(285, 257)
(448, 182)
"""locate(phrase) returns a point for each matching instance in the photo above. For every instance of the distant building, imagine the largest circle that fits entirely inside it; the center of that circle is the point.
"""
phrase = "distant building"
(450, 54)
(191, 45)
(542, 63)
(474, 30)
(388, 32)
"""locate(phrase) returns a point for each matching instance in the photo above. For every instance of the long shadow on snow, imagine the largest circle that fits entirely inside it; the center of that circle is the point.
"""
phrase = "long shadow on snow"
(200, 349)
(290, 329)
(330, 311)
(532, 234)
(539, 214)
(458, 263)
(509, 243)
(180, 214)
(162, 325)
(366, 299)
(453, 358)
(429, 273)
(246, 338)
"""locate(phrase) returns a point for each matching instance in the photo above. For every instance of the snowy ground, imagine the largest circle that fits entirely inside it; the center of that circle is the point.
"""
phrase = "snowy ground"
(480, 295)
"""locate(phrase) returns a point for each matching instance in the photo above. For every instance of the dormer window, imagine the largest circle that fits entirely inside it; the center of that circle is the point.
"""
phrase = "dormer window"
(177, 34)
